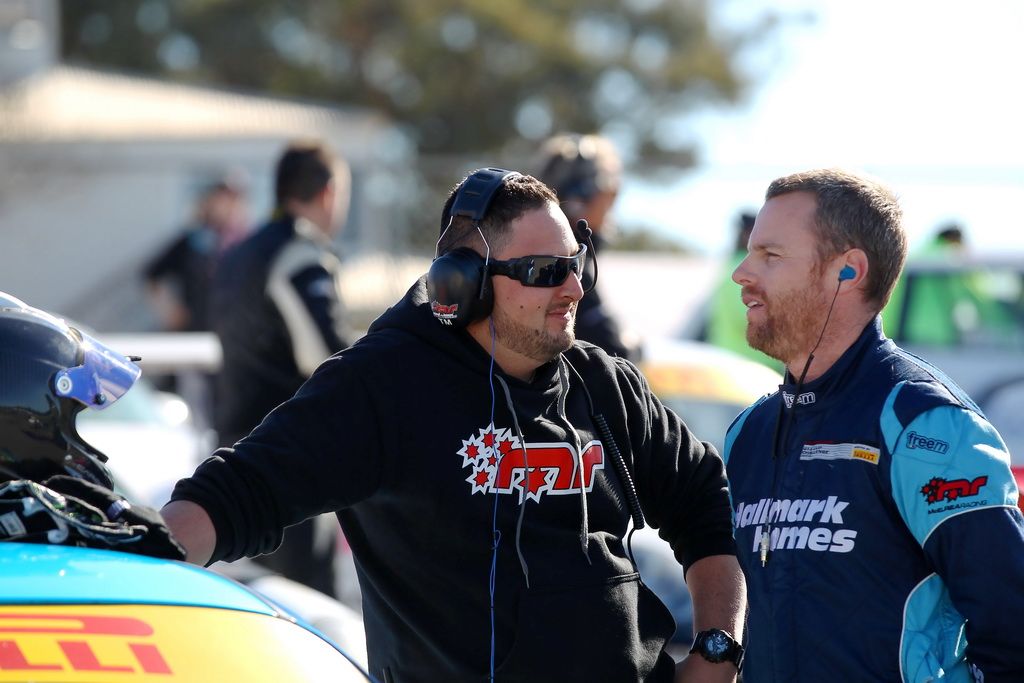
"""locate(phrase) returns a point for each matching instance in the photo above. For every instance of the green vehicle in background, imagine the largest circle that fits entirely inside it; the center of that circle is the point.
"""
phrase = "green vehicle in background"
(965, 314)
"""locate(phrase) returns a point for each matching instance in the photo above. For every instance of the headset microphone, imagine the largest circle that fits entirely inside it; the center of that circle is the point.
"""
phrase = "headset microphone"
(847, 273)
(585, 234)
(583, 231)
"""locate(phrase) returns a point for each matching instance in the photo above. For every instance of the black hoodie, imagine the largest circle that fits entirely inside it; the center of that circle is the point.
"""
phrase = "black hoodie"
(415, 438)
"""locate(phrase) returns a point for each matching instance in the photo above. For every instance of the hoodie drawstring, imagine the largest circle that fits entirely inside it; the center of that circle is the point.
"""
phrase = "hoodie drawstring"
(563, 381)
(608, 439)
(526, 462)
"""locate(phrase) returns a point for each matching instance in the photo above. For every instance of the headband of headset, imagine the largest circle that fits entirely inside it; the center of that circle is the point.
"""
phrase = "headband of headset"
(474, 195)
(457, 286)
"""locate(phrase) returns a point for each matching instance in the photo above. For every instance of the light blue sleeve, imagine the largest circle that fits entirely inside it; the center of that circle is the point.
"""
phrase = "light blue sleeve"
(948, 461)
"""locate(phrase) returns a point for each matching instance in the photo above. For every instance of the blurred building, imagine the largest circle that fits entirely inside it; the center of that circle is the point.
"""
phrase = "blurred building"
(98, 170)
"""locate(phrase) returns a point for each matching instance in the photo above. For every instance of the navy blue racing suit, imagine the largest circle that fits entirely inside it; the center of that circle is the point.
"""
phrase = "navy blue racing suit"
(894, 545)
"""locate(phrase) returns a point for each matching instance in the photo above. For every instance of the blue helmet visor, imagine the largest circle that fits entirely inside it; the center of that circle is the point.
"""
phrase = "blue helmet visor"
(103, 377)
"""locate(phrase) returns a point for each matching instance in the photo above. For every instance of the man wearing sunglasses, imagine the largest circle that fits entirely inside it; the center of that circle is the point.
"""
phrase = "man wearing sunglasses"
(485, 467)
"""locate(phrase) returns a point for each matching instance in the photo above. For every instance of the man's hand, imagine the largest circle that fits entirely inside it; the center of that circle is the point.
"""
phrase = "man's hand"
(192, 526)
(156, 541)
(696, 669)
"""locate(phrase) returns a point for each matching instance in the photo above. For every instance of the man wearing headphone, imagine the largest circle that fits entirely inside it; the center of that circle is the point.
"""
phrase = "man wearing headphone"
(875, 509)
(486, 467)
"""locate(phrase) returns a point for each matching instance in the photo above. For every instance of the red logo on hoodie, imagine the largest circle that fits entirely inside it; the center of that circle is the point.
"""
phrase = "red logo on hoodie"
(444, 310)
(499, 463)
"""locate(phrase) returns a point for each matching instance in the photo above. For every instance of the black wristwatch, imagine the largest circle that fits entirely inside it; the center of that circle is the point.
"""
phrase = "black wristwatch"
(716, 646)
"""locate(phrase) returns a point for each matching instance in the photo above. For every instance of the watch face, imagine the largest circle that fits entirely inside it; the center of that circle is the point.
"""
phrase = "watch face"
(717, 645)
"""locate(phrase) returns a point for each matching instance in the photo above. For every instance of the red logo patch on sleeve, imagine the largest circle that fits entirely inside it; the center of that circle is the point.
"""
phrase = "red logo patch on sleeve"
(938, 489)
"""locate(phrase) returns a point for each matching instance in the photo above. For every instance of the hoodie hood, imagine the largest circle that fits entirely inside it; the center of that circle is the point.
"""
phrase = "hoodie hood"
(412, 314)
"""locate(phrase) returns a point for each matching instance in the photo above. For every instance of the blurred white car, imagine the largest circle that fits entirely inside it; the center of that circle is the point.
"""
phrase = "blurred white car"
(150, 439)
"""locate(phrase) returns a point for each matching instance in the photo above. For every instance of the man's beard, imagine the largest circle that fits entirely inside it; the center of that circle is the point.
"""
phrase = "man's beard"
(790, 326)
(539, 345)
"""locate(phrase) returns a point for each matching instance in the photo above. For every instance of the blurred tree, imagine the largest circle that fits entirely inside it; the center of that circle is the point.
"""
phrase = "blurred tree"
(461, 76)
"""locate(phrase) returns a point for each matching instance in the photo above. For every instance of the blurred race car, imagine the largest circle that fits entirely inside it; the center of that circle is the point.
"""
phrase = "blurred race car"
(81, 614)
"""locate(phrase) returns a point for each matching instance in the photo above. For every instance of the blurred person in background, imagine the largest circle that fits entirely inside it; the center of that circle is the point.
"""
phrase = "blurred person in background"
(585, 172)
(278, 313)
(875, 508)
(727, 317)
(179, 279)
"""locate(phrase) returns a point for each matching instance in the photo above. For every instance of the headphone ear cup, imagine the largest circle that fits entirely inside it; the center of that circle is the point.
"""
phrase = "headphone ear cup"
(458, 289)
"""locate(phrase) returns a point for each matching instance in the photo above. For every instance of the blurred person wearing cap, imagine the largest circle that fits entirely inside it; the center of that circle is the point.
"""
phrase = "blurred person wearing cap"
(585, 172)
(179, 279)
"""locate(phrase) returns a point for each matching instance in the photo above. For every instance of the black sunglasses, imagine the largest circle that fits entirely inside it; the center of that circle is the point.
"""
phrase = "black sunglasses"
(541, 271)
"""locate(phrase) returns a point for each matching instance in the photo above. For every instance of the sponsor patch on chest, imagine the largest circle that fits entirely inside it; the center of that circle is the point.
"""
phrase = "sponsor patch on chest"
(828, 450)
(501, 463)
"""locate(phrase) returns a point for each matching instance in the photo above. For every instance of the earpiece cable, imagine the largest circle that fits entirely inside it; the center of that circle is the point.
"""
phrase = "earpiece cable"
(786, 422)
(495, 532)
(483, 279)
(437, 245)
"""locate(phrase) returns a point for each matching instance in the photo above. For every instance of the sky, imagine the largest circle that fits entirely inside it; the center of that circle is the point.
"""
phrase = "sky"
(925, 96)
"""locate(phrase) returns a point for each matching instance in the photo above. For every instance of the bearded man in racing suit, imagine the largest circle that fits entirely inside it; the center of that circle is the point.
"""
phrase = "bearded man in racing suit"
(875, 510)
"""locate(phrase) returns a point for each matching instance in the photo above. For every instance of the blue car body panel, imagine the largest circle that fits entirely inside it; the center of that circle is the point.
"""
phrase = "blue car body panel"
(41, 574)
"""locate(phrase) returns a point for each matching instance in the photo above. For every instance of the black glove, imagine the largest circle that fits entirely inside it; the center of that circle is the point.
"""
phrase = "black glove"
(153, 538)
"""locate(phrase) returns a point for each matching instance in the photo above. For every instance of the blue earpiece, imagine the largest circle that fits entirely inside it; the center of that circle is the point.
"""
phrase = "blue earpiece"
(847, 273)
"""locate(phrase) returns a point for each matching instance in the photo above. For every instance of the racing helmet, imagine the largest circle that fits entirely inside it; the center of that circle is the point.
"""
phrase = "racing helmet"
(49, 372)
